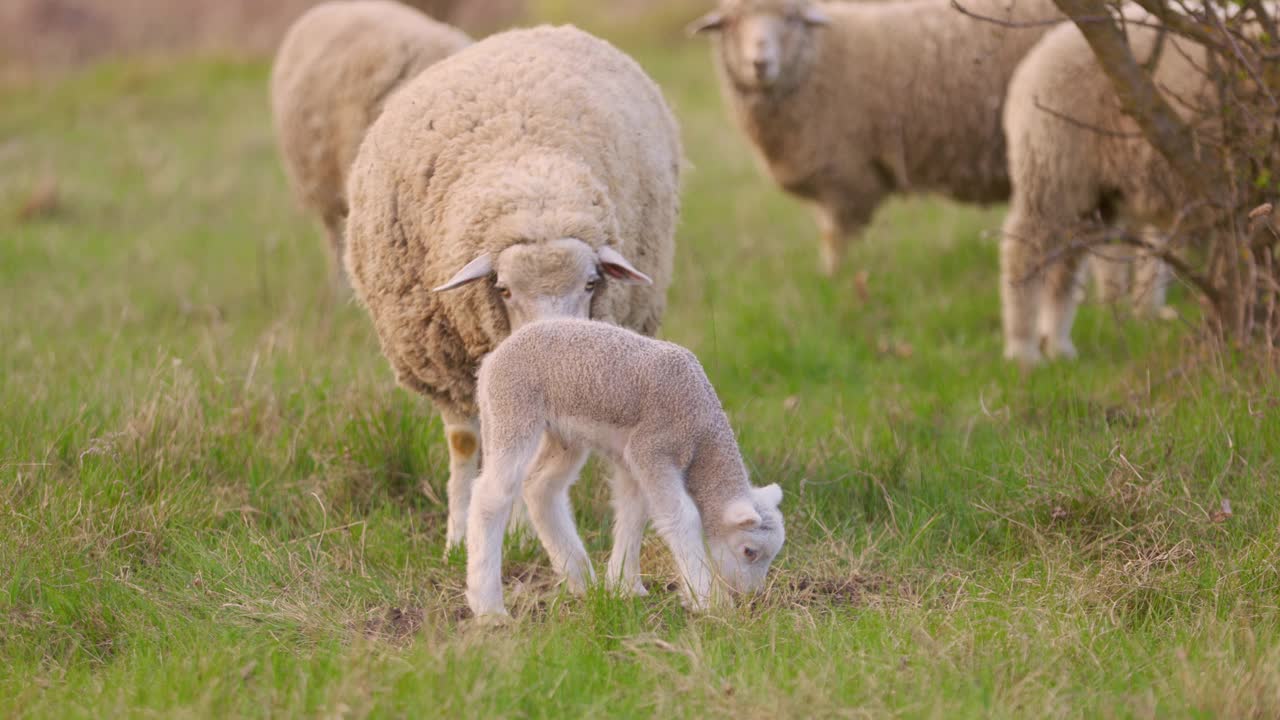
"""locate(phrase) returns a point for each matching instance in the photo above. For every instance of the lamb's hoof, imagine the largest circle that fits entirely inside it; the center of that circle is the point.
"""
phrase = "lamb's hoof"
(1165, 313)
(638, 590)
(492, 620)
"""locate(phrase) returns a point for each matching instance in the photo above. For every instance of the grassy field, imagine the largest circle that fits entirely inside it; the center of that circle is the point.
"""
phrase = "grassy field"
(209, 482)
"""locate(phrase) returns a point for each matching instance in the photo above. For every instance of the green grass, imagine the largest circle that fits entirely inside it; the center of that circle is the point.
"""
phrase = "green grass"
(209, 496)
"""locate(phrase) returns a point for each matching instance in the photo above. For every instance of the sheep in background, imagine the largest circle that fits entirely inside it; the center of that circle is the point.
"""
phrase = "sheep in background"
(534, 174)
(337, 65)
(1079, 165)
(848, 103)
(557, 389)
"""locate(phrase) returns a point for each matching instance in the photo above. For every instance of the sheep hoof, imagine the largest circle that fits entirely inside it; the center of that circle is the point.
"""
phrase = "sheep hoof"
(1062, 350)
(1026, 354)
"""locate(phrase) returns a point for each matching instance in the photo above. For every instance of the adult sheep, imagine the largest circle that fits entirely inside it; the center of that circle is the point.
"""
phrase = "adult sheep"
(336, 66)
(1080, 166)
(849, 103)
(534, 174)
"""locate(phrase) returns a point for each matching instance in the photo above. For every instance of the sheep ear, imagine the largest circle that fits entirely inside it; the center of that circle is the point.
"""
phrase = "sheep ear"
(710, 22)
(741, 514)
(617, 267)
(479, 268)
(769, 495)
(814, 16)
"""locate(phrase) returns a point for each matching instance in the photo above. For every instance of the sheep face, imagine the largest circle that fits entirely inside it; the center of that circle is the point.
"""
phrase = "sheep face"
(764, 43)
(750, 536)
(557, 278)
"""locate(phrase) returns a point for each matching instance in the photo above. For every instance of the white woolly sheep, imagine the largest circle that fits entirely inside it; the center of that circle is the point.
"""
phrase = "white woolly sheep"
(848, 103)
(557, 389)
(336, 67)
(1079, 165)
(533, 174)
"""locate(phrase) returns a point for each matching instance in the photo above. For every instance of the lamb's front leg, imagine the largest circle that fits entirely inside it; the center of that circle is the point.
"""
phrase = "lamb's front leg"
(547, 497)
(495, 491)
(630, 516)
(679, 523)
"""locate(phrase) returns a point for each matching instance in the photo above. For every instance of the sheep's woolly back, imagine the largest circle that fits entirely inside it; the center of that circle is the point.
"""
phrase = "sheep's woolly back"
(336, 66)
(1071, 148)
(894, 96)
(569, 372)
(525, 137)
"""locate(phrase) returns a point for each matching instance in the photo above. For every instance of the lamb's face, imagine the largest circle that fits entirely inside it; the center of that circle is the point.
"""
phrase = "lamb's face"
(552, 279)
(751, 534)
(764, 43)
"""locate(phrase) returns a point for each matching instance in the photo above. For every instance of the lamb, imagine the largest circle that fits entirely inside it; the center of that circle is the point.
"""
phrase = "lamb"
(848, 103)
(336, 66)
(646, 405)
(533, 174)
(1078, 166)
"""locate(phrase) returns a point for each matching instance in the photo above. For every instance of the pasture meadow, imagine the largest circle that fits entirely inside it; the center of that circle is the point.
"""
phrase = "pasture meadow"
(215, 501)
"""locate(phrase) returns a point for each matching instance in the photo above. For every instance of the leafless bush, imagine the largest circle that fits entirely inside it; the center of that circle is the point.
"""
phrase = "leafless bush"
(1225, 156)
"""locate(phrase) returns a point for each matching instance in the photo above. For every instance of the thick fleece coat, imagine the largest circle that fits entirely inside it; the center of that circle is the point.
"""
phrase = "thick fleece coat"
(878, 98)
(1078, 164)
(648, 406)
(335, 68)
(526, 137)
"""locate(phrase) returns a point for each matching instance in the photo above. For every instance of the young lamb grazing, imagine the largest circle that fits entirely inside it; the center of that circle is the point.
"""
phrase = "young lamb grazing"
(1079, 165)
(558, 388)
(337, 65)
(533, 174)
(848, 103)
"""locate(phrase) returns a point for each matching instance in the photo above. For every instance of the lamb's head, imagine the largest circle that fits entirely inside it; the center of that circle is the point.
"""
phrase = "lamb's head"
(538, 280)
(765, 44)
(748, 538)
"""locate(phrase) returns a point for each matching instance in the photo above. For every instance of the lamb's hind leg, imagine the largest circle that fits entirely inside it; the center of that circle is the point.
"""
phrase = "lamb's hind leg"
(630, 516)
(678, 522)
(495, 491)
(547, 497)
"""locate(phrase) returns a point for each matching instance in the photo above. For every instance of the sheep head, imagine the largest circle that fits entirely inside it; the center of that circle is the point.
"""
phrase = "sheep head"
(557, 278)
(764, 43)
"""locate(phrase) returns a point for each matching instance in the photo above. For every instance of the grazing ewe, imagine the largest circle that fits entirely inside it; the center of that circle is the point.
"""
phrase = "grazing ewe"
(848, 103)
(533, 174)
(556, 389)
(335, 68)
(1079, 167)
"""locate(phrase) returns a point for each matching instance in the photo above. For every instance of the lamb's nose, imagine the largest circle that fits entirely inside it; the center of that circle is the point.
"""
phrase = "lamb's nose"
(761, 65)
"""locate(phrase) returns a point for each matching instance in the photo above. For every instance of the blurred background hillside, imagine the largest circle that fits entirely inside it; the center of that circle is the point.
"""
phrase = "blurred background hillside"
(40, 35)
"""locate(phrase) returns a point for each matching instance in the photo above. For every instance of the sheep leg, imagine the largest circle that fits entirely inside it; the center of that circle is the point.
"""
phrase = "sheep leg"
(495, 491)
(679, 524)
(333, 229)
(839, 222)
(463, 436)
(1151, 276)
(1021, 240)
(1110, 268)
(1058, 305)
(630, 516)
(547, 496)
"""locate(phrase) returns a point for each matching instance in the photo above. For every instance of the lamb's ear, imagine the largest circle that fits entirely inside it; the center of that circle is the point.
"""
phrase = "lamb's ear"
(710, 22)
(619, 268)
(815, 16)
(769, 495)
(741, 514)
(479, 268)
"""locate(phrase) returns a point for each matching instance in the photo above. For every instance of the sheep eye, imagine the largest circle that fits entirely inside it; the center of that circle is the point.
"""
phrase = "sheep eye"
(750, 554)
(591, 285)
(504, 291)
